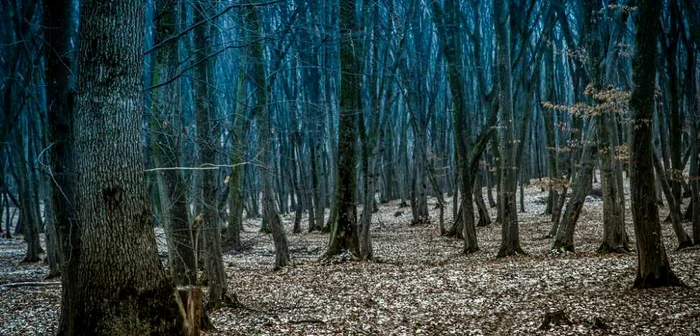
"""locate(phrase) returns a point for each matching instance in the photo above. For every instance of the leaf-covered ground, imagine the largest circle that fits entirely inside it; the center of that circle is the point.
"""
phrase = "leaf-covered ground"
(420, 285)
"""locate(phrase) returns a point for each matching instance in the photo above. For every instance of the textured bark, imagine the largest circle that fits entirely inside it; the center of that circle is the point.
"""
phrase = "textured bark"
(653, 267)
(119, 286)
(206, 144)
(344, 228)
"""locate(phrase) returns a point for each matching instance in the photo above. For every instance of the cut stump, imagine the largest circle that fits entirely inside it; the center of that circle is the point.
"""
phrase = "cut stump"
(556, 318)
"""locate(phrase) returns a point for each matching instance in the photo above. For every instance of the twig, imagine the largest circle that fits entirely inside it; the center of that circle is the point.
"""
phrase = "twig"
(30, 284)
(308, 321)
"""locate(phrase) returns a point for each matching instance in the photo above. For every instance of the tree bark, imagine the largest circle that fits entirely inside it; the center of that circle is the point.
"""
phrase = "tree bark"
(167, 129)
(653, 267)
(683, 238)
(510, 240)
(564, 238)
(265, 139)
(206, 144)
(30, 225)
(344, 234)
(114, 219)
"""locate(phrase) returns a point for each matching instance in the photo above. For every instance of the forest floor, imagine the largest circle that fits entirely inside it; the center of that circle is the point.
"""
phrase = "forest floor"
(420, 284)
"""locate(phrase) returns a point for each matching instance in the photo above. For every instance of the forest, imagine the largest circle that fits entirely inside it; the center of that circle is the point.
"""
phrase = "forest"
(349, 167)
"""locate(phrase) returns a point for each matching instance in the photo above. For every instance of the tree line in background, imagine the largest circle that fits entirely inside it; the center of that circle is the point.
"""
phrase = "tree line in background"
(195, 115)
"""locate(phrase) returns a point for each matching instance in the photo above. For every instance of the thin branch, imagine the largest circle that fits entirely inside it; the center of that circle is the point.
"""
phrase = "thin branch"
(190, 28)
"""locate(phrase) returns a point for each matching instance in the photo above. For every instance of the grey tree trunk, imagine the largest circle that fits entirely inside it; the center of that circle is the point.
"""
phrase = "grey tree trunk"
(115, 225)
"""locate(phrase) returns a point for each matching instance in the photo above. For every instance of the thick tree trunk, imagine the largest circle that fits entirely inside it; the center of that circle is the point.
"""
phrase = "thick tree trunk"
(653, 267)
(114, 219)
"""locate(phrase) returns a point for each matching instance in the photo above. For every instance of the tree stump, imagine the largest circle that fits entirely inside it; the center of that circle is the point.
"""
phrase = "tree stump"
(556, 318)
(191, 298)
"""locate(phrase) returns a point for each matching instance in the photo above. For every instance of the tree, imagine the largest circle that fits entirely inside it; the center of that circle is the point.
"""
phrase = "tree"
(265, 138)
(653, 267)
(119, 285)
(614, 235)
(206, 144)
(510, 240)
(167, 134)
(564, 238)
(344, 235)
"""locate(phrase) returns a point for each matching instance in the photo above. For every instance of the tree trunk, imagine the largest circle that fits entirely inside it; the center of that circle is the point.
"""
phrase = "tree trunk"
(344, 229)
(564, 238)
(206, 144)
(510, 240)
(484, 217)
(265, 138)
(167, 129)
(614, 235)
(683, 238)
(693, 99)
(30, 225)
(653, 267)
(114, 219)
(59, 101)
